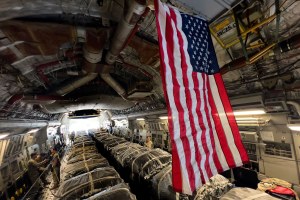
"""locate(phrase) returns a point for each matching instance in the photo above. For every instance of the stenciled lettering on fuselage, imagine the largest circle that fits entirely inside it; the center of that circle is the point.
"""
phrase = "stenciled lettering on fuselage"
(226, 29)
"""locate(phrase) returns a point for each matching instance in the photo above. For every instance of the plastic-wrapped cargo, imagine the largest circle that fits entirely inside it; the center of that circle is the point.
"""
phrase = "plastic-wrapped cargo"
(84, 144)
(84, 156)
(82, 138)
(120, 191)
(246, 193)
(88, 184)
(120, 149)
(162, 184)
(81, 167)
(149, 163)
(75, 151)
(102, 136)
(114, 142)
(131, 153)
(82, 149)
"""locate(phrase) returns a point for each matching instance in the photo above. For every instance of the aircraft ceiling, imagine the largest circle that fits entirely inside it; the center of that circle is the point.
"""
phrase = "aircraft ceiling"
(60, 56)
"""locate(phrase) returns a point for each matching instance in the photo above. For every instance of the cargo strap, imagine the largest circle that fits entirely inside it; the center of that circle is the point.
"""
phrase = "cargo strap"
(88, 170)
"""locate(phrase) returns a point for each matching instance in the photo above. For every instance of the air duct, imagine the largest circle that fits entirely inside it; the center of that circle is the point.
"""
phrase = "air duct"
(104, 102)
(134, 11)
(114, 84)
(34, 99)
(92, 49)
(75, 84)
(22, 124)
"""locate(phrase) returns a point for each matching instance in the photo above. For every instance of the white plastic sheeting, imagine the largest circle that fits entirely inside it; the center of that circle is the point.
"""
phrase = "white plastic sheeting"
(86, 174)
(153, 167)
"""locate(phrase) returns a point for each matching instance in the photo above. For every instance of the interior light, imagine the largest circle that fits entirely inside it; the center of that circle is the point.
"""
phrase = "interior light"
(246, 119)
(294, 127)
(32, 131)
(163, 117)
(3, 136)
(140, 119)
(250, 121)
(249, 112)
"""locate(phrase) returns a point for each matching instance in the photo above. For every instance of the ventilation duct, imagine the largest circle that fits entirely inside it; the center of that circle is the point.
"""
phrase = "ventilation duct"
(134, 11)
(34, 99)
(22, 124)
(114, 84)
(138, 91)
(93, 47)
(75, 84)
(92, 102)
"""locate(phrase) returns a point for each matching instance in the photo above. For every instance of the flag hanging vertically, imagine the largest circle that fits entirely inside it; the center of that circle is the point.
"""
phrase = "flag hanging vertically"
(204, 134)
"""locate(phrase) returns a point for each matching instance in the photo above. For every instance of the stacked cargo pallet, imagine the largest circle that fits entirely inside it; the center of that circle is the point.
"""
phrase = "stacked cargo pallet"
(86, 174)
(150, 170)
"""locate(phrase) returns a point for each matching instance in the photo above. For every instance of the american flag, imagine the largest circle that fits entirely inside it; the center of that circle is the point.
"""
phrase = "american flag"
(204, 134)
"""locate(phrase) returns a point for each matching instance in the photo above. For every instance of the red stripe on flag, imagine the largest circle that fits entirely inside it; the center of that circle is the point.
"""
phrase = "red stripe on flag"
(200, 117)
(219, 129)
(176, 93)
(231, 118)
(176, 171)
(208, 113)
(189, 102)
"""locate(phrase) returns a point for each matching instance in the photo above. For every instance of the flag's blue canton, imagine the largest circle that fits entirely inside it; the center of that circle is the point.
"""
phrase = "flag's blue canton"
(200, 46)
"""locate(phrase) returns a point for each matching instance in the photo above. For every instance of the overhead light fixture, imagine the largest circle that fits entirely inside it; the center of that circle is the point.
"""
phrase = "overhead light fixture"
(163, 117)
(3, 136)
(248, 121)
(294, 127)
(249, 112)
(140, 119)
(32, 131)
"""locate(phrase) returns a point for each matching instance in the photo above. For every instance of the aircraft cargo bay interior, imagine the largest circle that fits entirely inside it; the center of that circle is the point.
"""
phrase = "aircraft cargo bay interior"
(150, 99)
